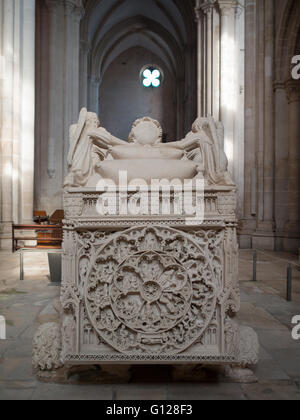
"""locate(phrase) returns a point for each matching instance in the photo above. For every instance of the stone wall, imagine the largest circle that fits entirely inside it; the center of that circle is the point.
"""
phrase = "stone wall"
(123, 94)
(272, 191)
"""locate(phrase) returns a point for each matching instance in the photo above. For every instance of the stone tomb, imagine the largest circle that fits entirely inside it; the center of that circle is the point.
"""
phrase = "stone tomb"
(148, 288)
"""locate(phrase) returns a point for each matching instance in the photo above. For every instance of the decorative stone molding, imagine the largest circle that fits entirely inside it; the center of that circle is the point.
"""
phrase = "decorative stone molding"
(71, 5)
(239, 9)
(199, 14)
(293, 91)
(208, 6)
(216, 206)
(279, 85)
(53, 5)
(73, 11)
(227, 7)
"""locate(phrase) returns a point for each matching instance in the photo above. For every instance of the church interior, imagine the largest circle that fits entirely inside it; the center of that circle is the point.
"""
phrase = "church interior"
(176, 62)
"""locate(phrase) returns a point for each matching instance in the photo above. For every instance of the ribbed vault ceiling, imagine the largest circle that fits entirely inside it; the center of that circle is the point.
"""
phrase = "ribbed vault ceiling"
(165, 27)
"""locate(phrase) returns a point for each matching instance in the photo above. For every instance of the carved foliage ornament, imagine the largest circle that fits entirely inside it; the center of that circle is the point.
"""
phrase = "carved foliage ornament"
(152, 290)
(47, 347)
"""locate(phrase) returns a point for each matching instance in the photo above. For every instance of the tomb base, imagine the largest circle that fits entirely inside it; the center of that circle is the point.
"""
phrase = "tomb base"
(147, 290)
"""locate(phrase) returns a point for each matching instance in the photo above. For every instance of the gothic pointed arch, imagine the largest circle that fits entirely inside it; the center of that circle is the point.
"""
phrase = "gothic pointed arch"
(166, 28)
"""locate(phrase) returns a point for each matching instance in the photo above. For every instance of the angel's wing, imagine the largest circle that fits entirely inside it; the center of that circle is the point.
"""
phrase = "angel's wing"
(75, 134)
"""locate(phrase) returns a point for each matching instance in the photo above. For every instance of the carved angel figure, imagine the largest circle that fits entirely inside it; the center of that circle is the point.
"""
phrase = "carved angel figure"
(83, 153)
(95, 153)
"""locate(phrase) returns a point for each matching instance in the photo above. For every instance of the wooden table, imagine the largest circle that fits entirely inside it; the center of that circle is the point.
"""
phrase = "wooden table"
(53, 241)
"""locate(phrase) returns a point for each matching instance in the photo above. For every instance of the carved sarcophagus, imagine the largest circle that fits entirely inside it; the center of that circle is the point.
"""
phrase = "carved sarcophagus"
(158, 285)
(144, 290)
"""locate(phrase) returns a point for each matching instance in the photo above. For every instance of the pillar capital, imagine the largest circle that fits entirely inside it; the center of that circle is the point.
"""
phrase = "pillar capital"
(79, 13)
(293, 90)
(70, 6)
(96, 80)
(227, 7)
(198, 13)
(52, 5)
(208, 6)
(74, 8)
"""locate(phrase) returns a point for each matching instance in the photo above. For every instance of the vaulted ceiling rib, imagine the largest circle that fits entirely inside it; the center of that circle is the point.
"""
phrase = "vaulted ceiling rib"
(164, 26)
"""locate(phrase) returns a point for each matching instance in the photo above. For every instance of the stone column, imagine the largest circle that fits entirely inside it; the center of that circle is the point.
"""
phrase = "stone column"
(293, 228)
(239, 124)
(84, 54)
(73, 15)
(216, 65)
(228, 69)
(27, 131)
(208, 8)
(268, 210)
(264, 236)
(281, 197)
(200, 45)
(53, 6)
(17, 102)
(7, 121)
(250, 182)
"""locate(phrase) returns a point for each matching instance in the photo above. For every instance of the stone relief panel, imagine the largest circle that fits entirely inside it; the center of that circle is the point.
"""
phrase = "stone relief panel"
(146, 290)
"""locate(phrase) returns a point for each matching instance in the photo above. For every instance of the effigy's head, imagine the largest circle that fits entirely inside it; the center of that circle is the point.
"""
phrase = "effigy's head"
(146, 131)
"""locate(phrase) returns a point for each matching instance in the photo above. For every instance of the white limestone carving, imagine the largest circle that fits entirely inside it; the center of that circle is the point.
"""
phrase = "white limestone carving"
(83, 153)
(150, 289)
(248, 347)
(150, 292)
(47, 347)
(162, 296)
(95, 153)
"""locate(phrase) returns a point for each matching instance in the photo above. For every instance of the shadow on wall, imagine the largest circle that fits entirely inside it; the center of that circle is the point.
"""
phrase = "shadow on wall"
(123, 98)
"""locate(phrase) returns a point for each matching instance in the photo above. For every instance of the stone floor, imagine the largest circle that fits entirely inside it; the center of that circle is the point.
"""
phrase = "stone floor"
(264, 307)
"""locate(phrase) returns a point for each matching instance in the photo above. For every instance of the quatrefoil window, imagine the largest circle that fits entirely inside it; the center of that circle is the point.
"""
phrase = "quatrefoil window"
(151, 76)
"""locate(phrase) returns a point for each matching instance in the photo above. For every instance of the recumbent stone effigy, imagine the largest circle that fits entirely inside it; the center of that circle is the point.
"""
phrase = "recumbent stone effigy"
(147, 288)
